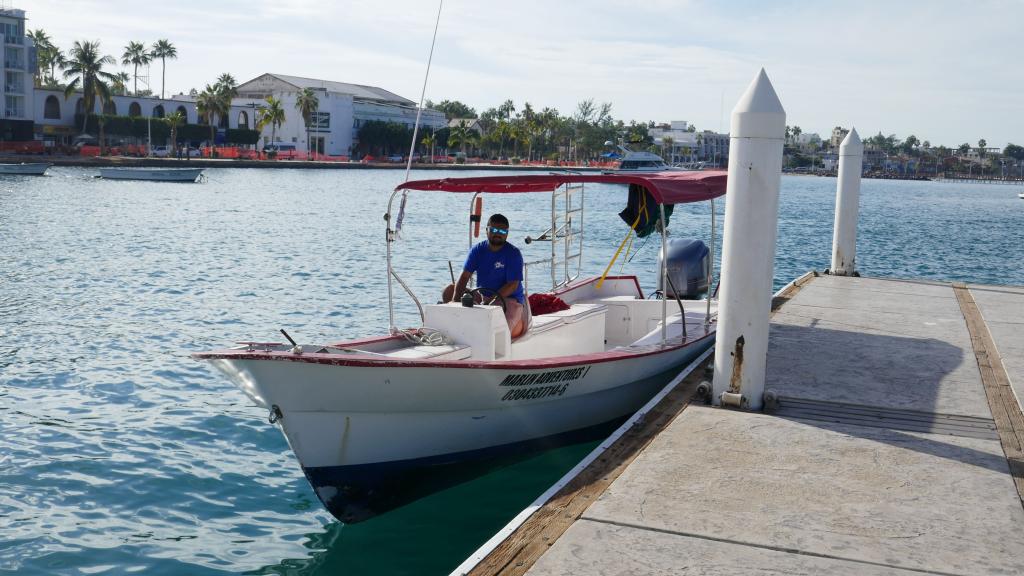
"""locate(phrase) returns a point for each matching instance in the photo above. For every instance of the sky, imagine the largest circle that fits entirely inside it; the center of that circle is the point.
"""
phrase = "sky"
(947, 72)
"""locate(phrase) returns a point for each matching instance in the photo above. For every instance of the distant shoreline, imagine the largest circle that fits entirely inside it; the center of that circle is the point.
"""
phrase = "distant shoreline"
(105, 161)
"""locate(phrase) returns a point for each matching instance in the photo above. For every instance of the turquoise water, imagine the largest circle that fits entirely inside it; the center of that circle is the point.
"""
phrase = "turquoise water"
(120, 454)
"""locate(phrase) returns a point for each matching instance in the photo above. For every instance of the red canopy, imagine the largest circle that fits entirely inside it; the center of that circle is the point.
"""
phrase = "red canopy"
(666, 187)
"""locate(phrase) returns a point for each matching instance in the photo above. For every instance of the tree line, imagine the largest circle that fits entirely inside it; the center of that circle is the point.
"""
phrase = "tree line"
(939, 158)
(84, 68)
(508, 131)
(505, 131)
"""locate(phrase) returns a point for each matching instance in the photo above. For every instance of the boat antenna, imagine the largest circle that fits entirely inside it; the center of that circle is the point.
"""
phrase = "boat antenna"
(423, 93)
(391, 235)
(416, 126)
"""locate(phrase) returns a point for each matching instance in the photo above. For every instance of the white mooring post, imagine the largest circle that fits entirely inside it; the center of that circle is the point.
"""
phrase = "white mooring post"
(748, 245)
(844, 235)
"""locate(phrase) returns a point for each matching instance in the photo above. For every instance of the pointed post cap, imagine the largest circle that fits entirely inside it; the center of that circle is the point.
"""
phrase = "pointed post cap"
(759, 114)
(851, 146)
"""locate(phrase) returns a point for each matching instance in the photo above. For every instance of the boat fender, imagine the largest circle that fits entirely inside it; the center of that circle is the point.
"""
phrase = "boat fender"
(475, 216)
(771, 401)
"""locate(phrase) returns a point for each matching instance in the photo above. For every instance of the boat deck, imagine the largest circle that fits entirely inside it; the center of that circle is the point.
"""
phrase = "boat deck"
(896, 449)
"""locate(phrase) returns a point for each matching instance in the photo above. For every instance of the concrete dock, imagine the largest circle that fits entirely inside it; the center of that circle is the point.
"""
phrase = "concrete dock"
(895, 448)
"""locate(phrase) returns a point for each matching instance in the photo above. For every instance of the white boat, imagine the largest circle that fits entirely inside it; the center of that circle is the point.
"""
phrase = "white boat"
(641, 161)
(25, 168)
(378, 422)
(155, 174)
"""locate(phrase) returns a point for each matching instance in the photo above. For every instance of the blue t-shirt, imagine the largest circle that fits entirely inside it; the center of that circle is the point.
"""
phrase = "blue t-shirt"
(495, 269)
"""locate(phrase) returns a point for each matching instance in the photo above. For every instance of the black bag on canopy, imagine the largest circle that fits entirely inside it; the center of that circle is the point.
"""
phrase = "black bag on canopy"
(641, 211)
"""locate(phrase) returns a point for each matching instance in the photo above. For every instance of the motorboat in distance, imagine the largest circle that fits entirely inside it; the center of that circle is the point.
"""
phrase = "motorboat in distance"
(152, 174)
(378, 422)
(642, 161)
(25, 168)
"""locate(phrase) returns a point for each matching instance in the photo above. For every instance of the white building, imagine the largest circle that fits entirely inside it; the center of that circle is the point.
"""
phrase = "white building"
(27, 113)
(838, 135)
(343, 109)
(55, 114)
(713, 147)
(470, 124)
(679, 143)
(808, 140)
(18, 54)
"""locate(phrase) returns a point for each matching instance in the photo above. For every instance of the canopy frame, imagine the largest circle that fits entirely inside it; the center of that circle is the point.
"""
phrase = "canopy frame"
(665, 188)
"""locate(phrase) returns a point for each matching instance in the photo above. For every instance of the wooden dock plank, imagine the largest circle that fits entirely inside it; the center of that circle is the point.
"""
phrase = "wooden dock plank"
(517, 553)
(1006, 411)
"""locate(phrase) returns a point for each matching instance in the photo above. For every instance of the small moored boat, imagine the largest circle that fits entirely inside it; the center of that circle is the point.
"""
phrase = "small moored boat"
(25, 168)
(378, 422)
(153, 174)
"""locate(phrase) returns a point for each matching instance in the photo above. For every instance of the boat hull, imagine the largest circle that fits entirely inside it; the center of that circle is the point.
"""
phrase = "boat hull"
(152, 174)
(373, 437)
(27, 169)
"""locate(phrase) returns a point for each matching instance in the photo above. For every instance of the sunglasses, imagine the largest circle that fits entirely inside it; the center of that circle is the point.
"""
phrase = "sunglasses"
(494, 230)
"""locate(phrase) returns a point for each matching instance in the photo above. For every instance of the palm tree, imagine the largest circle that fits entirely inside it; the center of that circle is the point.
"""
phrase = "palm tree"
(272, 114)
(120, 83)
(670, 142)
(86, 68)
(163, 49)
(307, 103)
(55, 60)
(49, 58)
(227, 79)
(208, 104)
(459, 136)
(227, 90)
(428, 142)
(135, 55)
(101, 121)
(173, 121)
(44, 48)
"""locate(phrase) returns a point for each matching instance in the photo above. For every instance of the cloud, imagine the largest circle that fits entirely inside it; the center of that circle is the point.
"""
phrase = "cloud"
(945, 71)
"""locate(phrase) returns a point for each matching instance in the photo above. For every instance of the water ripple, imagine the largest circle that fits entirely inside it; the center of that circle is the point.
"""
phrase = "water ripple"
(120, 454)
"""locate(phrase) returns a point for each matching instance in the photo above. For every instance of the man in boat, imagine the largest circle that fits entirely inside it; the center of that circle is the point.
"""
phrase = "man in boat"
(499, 270)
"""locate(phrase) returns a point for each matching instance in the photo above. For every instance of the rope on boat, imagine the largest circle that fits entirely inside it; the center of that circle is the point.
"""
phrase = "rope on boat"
(426, 336)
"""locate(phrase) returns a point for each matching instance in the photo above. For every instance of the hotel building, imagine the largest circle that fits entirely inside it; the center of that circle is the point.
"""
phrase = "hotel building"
(343, 109)
(18, 54)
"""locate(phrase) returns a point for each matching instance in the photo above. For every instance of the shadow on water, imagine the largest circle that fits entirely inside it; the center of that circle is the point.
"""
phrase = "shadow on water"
(434, 534)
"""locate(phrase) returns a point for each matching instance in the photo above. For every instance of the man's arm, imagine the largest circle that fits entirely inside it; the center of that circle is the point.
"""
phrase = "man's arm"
(460, 286)
(508, 288)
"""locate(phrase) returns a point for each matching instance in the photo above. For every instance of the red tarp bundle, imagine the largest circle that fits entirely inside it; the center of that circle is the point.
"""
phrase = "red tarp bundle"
(546, 304)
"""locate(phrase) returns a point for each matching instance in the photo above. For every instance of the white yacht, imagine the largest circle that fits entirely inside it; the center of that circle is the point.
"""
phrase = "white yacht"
(640, 161)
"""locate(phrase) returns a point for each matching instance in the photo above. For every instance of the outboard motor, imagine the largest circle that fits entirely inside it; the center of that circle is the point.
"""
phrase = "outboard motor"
(689, 264)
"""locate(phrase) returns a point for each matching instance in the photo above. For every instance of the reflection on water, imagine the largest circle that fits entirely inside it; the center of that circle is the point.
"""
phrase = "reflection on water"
(434, 534)
(118, 453)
